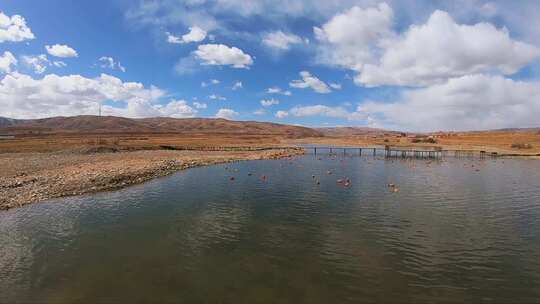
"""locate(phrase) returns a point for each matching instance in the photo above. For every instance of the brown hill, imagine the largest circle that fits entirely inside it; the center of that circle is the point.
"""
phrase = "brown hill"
(111, 124)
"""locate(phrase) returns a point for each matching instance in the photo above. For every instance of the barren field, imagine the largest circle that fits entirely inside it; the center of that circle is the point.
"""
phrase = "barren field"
(520, 143)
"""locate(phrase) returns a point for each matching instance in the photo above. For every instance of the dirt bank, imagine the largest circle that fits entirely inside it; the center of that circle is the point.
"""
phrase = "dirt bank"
(32, 177)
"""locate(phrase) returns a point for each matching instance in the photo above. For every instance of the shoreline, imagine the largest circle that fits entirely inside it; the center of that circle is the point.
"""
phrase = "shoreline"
(34, 177)
(31, 177)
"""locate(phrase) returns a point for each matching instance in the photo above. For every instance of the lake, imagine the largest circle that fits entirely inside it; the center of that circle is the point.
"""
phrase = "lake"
(285, 231)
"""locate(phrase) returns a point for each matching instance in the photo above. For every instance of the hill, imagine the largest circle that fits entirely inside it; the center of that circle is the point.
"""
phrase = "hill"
(112, 124)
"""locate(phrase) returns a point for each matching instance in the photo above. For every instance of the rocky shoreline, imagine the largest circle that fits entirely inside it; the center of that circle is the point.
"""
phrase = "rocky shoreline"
(33, 177)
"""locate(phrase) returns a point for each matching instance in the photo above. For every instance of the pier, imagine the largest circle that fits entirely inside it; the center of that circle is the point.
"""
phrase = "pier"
(399, 152)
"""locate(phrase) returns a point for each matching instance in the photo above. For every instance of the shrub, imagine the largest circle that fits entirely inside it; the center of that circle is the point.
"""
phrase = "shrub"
(521, 146)
(424, 140)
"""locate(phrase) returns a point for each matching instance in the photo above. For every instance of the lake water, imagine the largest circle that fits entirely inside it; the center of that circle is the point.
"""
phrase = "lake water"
(460, 230)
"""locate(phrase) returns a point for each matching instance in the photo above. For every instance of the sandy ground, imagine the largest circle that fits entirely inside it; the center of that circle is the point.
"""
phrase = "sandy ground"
(32, 177)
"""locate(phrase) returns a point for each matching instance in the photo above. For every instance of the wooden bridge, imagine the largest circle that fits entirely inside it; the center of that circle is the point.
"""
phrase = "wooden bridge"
(398, 152)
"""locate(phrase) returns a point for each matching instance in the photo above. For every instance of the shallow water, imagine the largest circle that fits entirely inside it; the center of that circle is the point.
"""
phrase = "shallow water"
(453, 233)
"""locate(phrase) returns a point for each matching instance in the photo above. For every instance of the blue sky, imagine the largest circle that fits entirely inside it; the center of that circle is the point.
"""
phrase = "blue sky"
(409, 65)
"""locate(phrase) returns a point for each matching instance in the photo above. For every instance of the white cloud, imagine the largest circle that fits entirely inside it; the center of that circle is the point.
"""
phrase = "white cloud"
(195, 34)
(260, 112)
(280, 40)
(281, 114)
(226, 113)
(109, 62)
(220, 54)
(37, 63)
(269, 102)
(6, 61)
(310, 81)
(326, 111)
(216, 97)
(363, 40)
(22, 96)
(205, 84)
(335, 86)
(348, 39)
(465, 103)
(175, 108)
(200, 105)
(442, 49)
(276, 90)
(59, 64)
(14, 29)
(237, 85)
(61, 50)
(209, 13)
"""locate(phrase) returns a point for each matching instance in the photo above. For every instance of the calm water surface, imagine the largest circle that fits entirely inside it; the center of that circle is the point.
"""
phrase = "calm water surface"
(453, 233)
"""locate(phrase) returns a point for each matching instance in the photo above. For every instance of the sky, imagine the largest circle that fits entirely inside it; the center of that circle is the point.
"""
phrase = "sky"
(424, 65)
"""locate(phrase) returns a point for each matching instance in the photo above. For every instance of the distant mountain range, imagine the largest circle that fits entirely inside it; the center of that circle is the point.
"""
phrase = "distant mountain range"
(111, 124)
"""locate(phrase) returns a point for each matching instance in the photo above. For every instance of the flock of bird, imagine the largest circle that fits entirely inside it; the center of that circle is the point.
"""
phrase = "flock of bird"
(345, 182)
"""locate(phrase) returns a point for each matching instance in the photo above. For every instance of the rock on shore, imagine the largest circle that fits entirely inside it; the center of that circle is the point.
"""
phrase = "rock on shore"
(32, 177)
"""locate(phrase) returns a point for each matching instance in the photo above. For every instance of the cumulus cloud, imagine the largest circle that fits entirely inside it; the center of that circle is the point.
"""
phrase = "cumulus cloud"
(220, 54)
(269, 102)
(174, 108)
(14, 29)
(37, 63)
(200, 105)
(195, 34)
(466, 103)
(209, 13)
(335, 86)
(277, 90)
(326, 111)
(310, 81)
(281, 114)
(363, 40)
(281, 41)
(61, 50)
(226, 113)
(6, 61)
(349, 38)
(22, 96)
(442, 49)
(110, 63)
(260, 112)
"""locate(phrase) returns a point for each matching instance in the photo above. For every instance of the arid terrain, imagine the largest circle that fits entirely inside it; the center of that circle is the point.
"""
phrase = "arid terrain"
(48, 158)
(519, 142)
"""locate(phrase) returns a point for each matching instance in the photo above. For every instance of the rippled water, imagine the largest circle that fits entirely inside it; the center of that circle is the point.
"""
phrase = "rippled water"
(453, 233)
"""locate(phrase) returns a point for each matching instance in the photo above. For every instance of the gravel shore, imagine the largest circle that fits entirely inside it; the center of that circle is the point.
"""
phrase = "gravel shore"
(32, 177)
